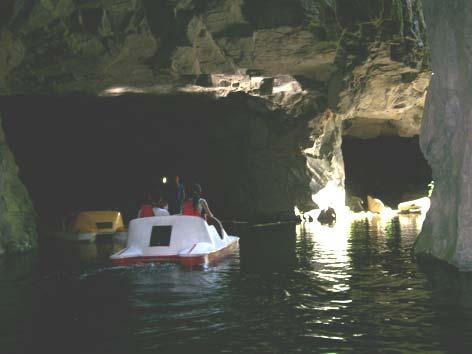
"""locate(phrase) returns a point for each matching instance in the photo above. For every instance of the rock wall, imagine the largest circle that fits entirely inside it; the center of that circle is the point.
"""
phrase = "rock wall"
(446, 134)
(279, 146)
(17, 216)
(258, 153)
(77, 46)
(69, 46)
(383, 71)
(325, 159)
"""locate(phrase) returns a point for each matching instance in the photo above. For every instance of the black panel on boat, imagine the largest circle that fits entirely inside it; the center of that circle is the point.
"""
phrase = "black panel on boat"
(160, 236)
(104, 225)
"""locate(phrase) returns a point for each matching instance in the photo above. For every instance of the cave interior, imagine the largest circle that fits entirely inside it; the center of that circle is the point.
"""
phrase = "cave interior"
(86, 153)
(390, 168)
(83, 153)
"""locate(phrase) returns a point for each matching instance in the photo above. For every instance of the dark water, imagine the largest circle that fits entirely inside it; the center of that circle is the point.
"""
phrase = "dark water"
(290, 289)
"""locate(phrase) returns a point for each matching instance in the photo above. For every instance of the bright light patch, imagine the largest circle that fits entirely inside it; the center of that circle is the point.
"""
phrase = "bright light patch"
(330, 196)
(331, 245)
(116, 90)
(290, 87)
(412, 222)
(164, 180)
(119, 90)
(421, 205)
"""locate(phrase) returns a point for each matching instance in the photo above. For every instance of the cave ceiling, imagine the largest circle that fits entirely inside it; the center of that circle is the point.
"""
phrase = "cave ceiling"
(366, 58)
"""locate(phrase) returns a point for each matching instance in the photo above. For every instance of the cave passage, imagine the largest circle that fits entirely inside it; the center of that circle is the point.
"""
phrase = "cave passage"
(390, 168)
(86, 153)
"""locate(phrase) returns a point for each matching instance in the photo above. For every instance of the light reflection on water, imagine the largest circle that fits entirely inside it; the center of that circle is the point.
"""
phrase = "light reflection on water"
(292, 288)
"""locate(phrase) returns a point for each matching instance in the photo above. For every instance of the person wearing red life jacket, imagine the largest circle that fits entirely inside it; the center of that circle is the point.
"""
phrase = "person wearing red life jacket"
(197, 206)
(146, 209)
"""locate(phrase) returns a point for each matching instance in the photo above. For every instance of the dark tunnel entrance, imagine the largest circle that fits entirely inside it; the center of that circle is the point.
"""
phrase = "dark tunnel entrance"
(390, 168)
(87, 153)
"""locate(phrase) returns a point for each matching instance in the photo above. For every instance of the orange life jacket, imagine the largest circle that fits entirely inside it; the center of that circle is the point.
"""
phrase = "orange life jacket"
(188, 209)
(146, 211)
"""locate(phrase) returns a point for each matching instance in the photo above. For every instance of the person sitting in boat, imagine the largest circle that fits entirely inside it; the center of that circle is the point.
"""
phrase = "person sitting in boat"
(327, 217)
(150, 208)
(197, 206)
(162, 208)
(146, 209)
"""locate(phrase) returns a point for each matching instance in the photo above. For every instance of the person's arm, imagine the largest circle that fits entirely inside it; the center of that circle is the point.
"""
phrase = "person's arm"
(206, 208)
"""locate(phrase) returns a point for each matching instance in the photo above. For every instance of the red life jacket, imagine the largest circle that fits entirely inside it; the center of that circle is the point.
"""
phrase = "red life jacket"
(146, 211)
(188, 209)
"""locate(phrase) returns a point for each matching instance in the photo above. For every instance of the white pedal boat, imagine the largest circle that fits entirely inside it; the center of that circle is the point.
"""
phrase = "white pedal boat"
(188, 240)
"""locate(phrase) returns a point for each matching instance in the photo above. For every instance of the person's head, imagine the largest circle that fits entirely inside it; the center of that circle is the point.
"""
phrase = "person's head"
(148, 198)
(163, 204)
(158, 193)
(195, 192)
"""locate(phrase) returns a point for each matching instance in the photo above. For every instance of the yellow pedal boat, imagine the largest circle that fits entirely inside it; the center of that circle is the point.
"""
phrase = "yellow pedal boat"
(86, 225)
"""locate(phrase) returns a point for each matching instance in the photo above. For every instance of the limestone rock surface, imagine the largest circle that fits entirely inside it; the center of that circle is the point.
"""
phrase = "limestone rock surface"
(17, 217)
(382, 100)
(71, 46)
(369, 55)
(384, 72)
(259, 150)
(325, 158)
(375, 205)
(446, 134)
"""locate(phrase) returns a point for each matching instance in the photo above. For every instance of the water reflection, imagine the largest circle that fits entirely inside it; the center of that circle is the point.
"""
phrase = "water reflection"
(329, 259)
(292, 288)
(451, 296)
(270, 248)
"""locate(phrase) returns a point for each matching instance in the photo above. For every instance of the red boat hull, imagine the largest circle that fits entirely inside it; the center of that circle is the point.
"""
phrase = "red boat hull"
(184, 260)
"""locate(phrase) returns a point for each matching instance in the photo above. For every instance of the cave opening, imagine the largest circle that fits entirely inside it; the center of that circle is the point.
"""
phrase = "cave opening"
(390, 168)
(86, 153)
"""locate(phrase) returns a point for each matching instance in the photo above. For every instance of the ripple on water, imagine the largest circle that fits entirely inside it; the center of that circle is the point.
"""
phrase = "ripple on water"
(304, 288)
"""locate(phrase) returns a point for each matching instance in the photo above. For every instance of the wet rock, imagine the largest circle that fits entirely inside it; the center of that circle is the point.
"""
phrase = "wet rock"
(446, 134)
(204, 80)
(324, 157)
(17, 217)
(259, 151)
(375, 205)
(72, 46)
(384, 72)
(356, 204)
(267, 86)
(69, 46)
(11, 55)
(413, 206)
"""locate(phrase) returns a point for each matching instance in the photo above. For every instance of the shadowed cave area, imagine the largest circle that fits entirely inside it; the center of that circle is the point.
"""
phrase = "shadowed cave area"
(83, 153)
(390, 168)
(87, 153)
